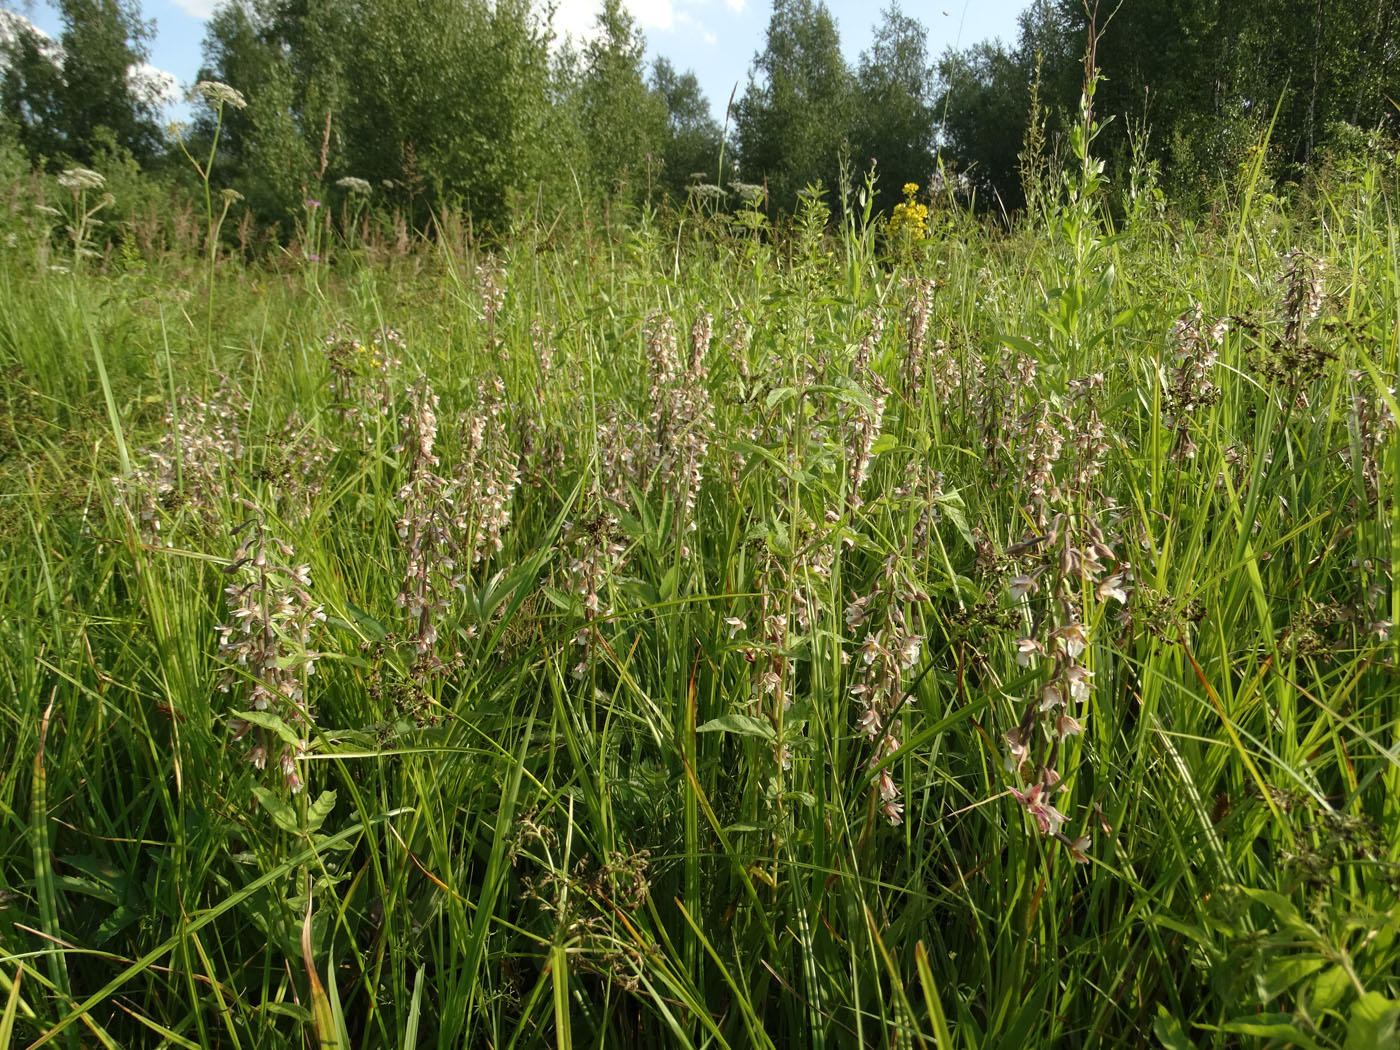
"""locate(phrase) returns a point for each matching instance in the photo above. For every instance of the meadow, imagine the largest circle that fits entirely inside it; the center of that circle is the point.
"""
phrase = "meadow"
(678, 632)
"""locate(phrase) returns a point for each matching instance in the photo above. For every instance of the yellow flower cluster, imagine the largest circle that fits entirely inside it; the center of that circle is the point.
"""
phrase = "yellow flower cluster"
(910, 219)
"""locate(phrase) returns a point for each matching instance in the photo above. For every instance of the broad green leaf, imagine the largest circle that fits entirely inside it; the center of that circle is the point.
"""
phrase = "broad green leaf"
(1284, 973)
(1374, 1023)
(740, 725)
(283, 815)
(1168, 1031)
(267, 720)
(319, 810)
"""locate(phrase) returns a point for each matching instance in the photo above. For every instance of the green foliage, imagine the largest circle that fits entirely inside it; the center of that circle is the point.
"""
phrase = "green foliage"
(623, 122)
(799, 104)
(64, 101)
(444, 103)
(732, 549)
(984, 106)
(692, 147)
(895, 118)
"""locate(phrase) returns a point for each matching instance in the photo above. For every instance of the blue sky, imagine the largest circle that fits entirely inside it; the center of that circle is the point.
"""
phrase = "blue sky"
(715, 38)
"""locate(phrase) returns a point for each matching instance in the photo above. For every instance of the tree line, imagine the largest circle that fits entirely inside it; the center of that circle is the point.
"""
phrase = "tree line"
(476, 104)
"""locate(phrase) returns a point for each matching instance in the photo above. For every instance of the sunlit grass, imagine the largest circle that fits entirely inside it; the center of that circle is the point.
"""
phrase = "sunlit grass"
(666, 685)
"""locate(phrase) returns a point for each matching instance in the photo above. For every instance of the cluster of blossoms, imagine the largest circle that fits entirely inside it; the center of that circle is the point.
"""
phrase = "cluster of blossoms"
(909, 220)
(1088, 434)
(681, 418)
(1371, 425)
(430, 525)
(1002, 398)
(218, 95)
(361, 375)
(490, 285)
(354, 186)
(750, 194)
(1196, 348)
(863, 415)
(541, 445)
(667, 451)
(186, 470)
(79, 180)
(1066, 573)
(489, 473)
(925, 359)
(596, 551)
(1302, 294)
(1293, 359)
(1060, 563)
(266, 644)
(450, 523)
(297, 466)
(888, 653)
(794, 574)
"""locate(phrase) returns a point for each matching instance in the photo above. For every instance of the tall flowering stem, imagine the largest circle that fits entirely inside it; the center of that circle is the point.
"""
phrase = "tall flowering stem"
(266, 646)
(1064, 571)
(1196, 348)
(889, 652)
(429, 526)
(595, 551)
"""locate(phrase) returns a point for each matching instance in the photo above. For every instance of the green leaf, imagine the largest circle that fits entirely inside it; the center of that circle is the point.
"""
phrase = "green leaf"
(267, 720)
(783, 393)
(1016, 342)
(1373, 1023)
(1281, 906)
(367, 624)
(1168, 1031)
(950, 504)
(1283, 974)
(884, 443)
(283, 815)
(1327, 990)
(740, 725)
(319, 811)
(1271, 1026)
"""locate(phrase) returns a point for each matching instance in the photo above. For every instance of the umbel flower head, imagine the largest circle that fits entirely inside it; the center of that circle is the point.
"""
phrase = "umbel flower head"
(76, 179)
(350, 184)
(218, 94)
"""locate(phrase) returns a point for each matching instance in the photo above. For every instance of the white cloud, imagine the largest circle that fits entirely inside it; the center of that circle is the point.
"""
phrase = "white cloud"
(653, 14)
(154, 86)
(200, 9)
(737, 6)
(576, 17)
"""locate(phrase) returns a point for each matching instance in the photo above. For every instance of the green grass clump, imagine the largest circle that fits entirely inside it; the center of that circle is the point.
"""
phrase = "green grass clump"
(692, 637)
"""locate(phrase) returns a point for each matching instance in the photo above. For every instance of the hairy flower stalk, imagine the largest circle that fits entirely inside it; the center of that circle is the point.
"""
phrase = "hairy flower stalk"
(430, 525)
(361, 376)
(680, 424)
(490, 283)
(1196, 348)
(489, 473)
(1064, 575)
(266, 644)
(595, 552)
(1293, 359)
(1061, 572)
(1371, 426)
(889, 652)
(187, 469)
(1302, 294)
(861, 422)
(918, 308)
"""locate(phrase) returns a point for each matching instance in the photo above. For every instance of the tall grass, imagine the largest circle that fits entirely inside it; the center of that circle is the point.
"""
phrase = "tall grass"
(664, 592)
